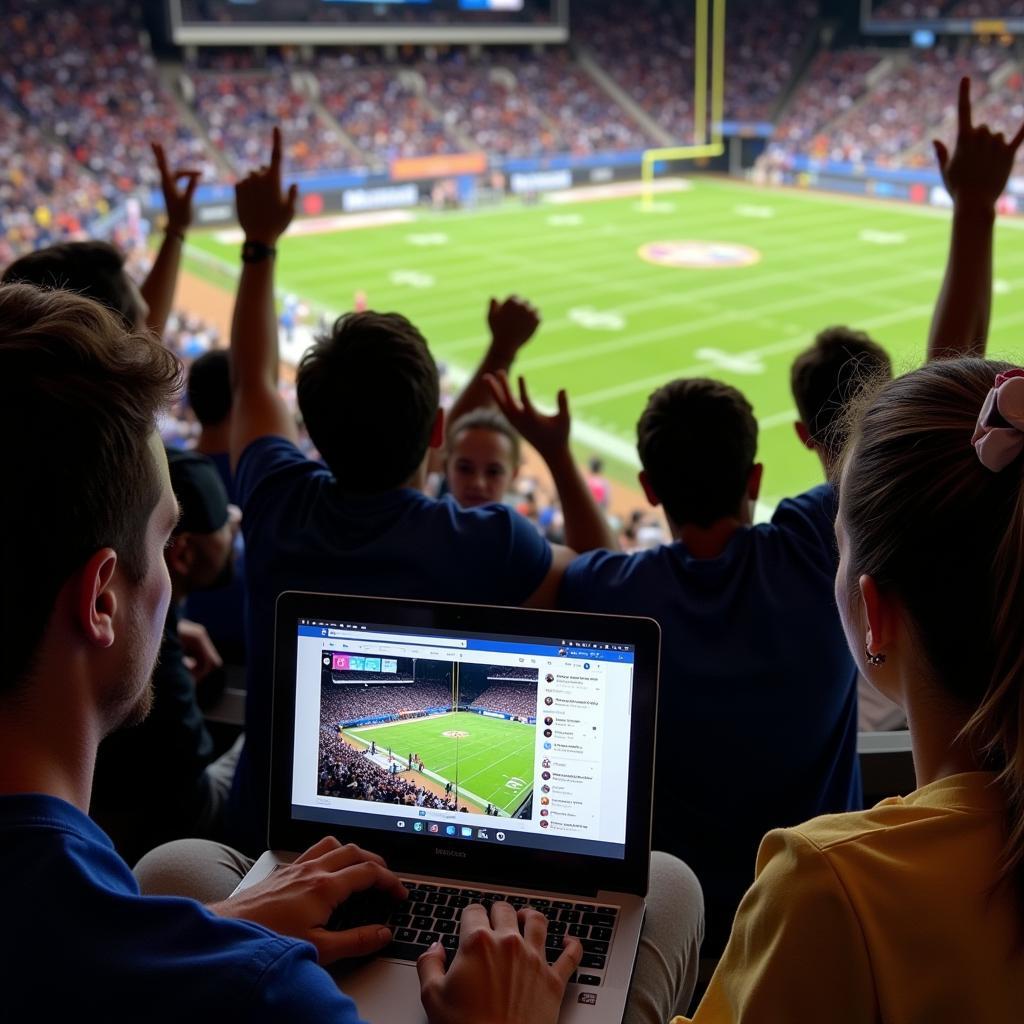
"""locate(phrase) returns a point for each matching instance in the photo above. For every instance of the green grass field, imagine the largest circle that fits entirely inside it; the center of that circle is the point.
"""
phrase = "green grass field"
(615, 326)
(491, 755)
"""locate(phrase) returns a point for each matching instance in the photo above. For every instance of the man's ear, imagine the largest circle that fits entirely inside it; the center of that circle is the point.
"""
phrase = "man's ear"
(805, 435)
(648, 490)
(754, 481)
(437, 434)
(96, 603)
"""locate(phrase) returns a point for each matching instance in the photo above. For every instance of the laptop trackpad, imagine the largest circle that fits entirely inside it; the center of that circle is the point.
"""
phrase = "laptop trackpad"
(383, 990)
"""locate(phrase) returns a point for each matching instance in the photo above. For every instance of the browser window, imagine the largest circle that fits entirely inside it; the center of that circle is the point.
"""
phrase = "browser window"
(493, 738)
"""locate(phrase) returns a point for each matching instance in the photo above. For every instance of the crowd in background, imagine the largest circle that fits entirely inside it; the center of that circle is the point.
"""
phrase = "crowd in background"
(900, 570)
(349, 702)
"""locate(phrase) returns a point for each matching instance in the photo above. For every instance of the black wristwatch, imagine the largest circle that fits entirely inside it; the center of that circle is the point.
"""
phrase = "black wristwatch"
(257, 252)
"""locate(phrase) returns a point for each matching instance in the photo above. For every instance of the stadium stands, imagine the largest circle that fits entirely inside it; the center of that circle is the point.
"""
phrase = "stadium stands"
(347, 773)
(238, 110)
(95, 87)
(350, 702)
(508, 698)
(884, 107)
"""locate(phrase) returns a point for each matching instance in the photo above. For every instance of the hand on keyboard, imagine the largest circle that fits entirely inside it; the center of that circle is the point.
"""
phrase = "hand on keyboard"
(301, 898)
(501, 964)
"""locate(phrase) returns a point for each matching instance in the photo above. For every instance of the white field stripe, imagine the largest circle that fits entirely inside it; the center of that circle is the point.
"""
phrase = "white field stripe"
(696, 296)
(788, 344)
(463, 252)
(611, 259)
(827, 198)
(757, 314)
(763, 313)
(778, 419)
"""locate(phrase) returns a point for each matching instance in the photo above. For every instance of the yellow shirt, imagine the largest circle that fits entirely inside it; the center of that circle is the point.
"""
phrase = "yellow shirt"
(879, 916)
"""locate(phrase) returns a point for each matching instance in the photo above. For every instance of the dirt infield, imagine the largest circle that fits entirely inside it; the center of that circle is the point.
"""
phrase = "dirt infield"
(211, 302)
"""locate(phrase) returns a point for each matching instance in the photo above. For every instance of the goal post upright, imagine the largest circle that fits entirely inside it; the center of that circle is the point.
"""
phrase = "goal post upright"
(703, 49)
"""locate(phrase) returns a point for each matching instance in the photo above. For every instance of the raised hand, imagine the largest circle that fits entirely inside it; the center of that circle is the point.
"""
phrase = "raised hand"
(178, 200)
(298, 899)
(264, 210)
(548, 434)
(500, 973)
(980, 165)
(513, 323)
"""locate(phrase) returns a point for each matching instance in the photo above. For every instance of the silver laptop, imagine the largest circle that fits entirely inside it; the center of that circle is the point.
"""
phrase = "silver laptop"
(487, 754)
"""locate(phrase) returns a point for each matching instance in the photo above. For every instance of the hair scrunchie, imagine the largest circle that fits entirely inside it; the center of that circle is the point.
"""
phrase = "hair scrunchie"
(999, 436)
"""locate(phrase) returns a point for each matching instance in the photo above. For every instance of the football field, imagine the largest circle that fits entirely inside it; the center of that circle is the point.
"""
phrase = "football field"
(490, 760)
(621, 315)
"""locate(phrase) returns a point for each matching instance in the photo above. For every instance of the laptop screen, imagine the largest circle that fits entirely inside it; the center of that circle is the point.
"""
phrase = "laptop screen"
(482, 738)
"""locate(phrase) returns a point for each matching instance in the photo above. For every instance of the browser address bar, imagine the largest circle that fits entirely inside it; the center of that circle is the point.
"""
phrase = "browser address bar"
(401, 638)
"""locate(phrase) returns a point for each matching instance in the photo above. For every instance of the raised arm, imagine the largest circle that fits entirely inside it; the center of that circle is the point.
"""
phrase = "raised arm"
(264, 213)
(586, 527)
(975, 176)
(158, 288)
(512, 324)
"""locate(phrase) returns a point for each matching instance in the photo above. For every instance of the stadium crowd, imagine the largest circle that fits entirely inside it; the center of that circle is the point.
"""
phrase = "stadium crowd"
(508, 699)
(348, 773)
(903, 569)
(341, 704)
(871, 106)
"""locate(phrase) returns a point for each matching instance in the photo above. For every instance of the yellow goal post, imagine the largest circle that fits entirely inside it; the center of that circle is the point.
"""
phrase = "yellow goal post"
(705, 53)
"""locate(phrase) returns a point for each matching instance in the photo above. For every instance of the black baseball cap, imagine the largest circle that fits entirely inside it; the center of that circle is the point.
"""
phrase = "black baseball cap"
(200, 492)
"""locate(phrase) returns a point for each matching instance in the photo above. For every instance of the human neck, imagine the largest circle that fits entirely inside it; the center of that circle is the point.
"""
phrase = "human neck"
(44, 752)
(214, 440)
(705, 542)
(935, 736)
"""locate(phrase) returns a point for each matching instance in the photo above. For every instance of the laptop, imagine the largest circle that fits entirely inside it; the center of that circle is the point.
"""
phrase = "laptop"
(487, 754)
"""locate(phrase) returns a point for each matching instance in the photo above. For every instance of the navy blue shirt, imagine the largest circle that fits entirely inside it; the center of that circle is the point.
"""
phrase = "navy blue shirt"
(757, 713)
(303, 533)
(78, 939)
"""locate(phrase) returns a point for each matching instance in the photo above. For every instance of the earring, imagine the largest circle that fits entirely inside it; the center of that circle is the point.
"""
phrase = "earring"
(873, 659)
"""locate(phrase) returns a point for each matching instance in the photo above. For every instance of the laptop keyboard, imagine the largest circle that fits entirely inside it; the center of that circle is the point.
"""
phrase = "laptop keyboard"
(432, 914)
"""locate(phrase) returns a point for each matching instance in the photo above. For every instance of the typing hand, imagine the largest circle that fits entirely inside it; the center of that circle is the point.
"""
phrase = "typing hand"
(500, 973)
(299, 899)
(981, 162)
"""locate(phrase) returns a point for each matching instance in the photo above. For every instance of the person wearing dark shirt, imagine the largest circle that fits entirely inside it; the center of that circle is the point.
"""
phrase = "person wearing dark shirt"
(221, 612)
(369, 396)
(159, 780)
(757, 709)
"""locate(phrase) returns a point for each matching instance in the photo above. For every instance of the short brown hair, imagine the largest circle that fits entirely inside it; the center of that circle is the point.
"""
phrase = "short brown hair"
(78, 403)
(697, 441)
(931, 525)
(486, 419)
(369, 394)
(827, 377)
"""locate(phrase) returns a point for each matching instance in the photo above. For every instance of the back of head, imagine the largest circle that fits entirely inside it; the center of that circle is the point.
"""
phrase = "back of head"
(78, 404)
(93, 269)
(369, 396)
(945, 535)
(209, 387)
(827, 377)
(697, 441)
